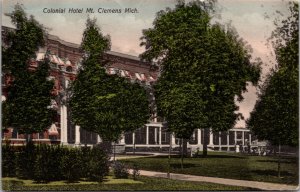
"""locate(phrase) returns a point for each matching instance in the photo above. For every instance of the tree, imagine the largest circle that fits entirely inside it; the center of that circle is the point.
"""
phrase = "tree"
(275, 116)
(29, 94)
(203, 66)
(105, 104)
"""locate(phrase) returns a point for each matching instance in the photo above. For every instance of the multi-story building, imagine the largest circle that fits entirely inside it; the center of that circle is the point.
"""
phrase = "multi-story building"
(65, 59)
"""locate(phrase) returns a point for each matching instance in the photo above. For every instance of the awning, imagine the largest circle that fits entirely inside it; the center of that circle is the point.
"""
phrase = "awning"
(137, 75)
(53, 130)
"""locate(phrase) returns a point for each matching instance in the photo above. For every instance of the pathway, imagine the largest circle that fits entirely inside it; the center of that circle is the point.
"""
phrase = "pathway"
(234, 182)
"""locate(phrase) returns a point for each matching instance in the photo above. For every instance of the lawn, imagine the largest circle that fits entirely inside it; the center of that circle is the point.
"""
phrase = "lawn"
(110, 184)
(226, 165)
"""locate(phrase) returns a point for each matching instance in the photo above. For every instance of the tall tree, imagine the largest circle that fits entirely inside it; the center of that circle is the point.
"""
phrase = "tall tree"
(105, 104)
(275, 116)
(29, 94)
(203, 66)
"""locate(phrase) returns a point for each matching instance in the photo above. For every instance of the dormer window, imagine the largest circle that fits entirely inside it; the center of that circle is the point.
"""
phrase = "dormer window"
(69, 69)
(137, 75)
(112, 71)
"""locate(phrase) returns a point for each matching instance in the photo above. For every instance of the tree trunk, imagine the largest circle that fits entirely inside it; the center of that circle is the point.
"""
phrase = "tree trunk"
(169, 158)
(133, 144)
(181, 154)
(205, 142)
(28, 138)
(85, 141)
(279, 151)
(184, 147)
(114, 151)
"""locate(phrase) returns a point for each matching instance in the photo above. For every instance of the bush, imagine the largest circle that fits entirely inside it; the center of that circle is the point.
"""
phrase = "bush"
(8, 161)
(44, 163)
(97, 165)
(25, 161)
(120, 170)
(71, 165)
(56, 153)
(106, 146)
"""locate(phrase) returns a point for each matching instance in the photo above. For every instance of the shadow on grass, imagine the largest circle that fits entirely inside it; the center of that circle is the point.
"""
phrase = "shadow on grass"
(290, 161)
(272, 173)
(222, 156)
(201, 156)
(185, 165)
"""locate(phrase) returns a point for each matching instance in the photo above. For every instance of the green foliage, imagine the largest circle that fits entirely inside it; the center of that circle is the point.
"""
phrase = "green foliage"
(41, 165)
(276, 114)
(8, 161)
(23, 42)
(44, 163)
(93, 43)
(71, 165)
(105, 104)
(204, 67)
(29, 95)
(25, 161)
(97, 165)
(120, 170)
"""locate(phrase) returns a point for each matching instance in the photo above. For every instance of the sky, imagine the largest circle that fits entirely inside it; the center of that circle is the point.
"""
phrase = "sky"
(253, 20)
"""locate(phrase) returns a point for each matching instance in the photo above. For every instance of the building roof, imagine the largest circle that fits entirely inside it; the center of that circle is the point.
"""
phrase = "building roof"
(74, 45)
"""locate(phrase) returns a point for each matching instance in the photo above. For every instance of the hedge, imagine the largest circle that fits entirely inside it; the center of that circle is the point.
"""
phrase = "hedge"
(43, 163)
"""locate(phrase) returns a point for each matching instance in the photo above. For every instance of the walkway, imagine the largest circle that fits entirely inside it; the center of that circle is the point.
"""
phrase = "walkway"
(234, 182)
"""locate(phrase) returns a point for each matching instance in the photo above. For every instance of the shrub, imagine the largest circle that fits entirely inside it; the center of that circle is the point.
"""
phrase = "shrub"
(106, 146)
(42, 164)
(8, 161)
(25, 161)
(56, 152)
(97, 165)
(71, 165)
(120, 170)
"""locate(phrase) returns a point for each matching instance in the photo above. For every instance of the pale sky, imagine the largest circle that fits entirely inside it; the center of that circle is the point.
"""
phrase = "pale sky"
(125, 29)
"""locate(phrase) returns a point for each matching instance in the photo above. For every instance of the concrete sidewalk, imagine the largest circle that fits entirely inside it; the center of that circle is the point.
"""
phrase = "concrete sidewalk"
(234, 182)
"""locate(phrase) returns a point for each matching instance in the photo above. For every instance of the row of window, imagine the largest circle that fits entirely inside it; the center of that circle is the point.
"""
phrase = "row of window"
(125, 73)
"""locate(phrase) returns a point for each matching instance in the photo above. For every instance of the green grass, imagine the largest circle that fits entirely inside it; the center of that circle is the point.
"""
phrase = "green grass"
(110, 184)
(226, 165)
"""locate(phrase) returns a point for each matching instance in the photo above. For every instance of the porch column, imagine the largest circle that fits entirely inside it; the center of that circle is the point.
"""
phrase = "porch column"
(211, 137)
(122, 140)
(99, 140)
(159, 135)
(199, 136)
(228, 148)
(65, 140)
(77, 135)
(133, 138)
(173, 139)
(219, 140)
(147, 135)
(243, 138)
(62, 119)
(235, 137)
(63, 125)
(249, 138)
(155, 135)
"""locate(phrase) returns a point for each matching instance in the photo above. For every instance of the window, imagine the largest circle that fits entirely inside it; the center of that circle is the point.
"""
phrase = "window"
(112, 71)
(137, 75)
(14, 134)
